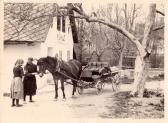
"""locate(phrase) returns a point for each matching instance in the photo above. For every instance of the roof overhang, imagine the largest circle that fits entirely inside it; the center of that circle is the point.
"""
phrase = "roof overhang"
(14, 42)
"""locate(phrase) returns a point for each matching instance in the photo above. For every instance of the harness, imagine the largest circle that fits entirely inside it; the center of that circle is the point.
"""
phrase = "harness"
(68, 77)
(58, 70)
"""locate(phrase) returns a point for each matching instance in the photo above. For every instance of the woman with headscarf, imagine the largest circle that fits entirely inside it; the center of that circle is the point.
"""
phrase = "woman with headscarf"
(17, 85)
(29, 81)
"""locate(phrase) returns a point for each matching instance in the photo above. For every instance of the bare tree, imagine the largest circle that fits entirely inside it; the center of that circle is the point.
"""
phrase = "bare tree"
(142, 63)
(129, 17)
(118, 41)
(143, 50)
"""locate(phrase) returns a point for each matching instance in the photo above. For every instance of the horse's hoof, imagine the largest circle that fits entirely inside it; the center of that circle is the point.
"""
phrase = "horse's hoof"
(73, 96)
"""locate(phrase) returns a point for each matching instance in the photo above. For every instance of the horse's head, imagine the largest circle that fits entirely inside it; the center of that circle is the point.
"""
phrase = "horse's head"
(46, 63)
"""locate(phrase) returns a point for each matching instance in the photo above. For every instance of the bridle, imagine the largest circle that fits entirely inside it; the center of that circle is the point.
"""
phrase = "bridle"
(57, 68)
(41, 71)
(42, 68)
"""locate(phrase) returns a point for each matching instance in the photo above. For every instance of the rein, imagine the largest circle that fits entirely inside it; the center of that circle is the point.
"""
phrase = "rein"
(69, 78)
(58, 70)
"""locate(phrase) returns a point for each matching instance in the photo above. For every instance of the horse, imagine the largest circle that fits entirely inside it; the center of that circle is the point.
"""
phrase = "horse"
(60, 70)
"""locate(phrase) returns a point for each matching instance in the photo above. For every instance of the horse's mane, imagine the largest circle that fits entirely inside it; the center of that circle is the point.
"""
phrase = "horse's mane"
(51, 58)
(45, 59)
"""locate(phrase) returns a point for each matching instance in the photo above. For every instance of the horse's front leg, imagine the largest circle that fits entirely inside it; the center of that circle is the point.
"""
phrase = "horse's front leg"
(62, 88)
(56, 88)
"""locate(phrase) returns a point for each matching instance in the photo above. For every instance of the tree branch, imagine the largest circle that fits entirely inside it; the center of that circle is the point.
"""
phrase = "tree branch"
(119, 29)
(158, 28)
(157, 11)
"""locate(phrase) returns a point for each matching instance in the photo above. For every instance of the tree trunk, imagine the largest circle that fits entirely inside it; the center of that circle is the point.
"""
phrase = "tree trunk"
(140, 75)
(121, 60)
(141, 64)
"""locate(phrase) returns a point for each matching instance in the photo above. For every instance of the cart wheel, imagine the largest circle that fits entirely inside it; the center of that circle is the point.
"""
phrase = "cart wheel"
(80, 90)
(99, 87)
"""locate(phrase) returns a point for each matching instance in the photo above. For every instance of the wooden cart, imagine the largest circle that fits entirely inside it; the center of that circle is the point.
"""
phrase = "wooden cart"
(95, 75)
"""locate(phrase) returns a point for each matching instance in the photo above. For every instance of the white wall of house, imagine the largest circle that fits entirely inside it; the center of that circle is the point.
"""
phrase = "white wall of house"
(58, 42)
(10, 54)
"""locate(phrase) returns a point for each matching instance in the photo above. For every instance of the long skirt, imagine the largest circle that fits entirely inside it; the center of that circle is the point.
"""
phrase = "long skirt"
(30, 85)
(17, 88)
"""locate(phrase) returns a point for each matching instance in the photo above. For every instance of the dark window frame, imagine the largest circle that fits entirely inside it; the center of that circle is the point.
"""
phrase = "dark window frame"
(58, 23)
(63, 23)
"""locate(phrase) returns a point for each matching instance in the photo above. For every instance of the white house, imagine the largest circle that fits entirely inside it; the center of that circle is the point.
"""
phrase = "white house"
(42, 37)
(59, 41)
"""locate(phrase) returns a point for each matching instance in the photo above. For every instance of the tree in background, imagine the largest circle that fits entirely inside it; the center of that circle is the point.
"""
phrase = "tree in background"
(144, 48)
(107, 40)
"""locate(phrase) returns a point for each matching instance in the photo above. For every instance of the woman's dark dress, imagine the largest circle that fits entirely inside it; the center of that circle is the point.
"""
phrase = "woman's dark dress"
(29, 81)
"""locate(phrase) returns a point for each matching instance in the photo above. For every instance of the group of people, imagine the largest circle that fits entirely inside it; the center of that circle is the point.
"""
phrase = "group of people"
(24, 81)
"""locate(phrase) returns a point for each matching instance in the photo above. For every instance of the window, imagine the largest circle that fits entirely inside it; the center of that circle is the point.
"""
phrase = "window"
(63, 23)
(58, 23)
(60, 55)
(68, 55)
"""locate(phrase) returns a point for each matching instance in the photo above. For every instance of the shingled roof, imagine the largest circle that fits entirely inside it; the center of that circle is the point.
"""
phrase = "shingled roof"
(27, 22)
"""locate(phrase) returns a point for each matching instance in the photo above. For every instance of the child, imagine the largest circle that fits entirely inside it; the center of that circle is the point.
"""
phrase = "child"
(17, 85)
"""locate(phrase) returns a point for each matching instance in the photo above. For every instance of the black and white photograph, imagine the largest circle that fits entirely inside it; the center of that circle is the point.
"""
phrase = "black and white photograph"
(86, 60)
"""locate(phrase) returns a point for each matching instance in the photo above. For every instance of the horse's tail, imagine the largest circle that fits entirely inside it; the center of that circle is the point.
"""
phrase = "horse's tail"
(80, 70)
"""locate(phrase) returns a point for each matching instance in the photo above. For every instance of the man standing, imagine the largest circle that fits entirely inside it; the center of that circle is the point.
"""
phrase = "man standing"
(29, 81)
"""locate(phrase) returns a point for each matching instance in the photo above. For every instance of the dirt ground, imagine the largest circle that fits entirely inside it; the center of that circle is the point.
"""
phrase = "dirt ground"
(118, 104)
(107, 105)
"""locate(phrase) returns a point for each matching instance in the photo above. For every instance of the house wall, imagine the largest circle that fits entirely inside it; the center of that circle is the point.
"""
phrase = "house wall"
(10, 54)
(58, 41)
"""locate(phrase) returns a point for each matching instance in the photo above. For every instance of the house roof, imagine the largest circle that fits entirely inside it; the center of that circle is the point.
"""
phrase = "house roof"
(27, 22)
